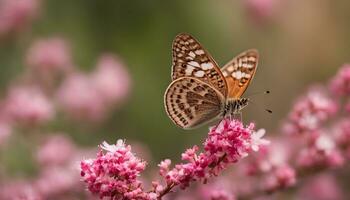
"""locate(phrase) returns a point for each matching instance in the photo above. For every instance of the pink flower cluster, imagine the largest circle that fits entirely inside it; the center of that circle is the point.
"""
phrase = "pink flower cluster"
(52, 84)
(321, 152)
(28, 105)
(89, 96)
(47, 155)
(114, 174)
(49, 56)
(310, 111)
(16, 14)
(58, 177)
(342, 136)
(340, 83)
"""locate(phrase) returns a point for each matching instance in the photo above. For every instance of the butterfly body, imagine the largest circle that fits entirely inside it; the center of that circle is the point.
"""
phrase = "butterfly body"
(234, 106)
(200, 90)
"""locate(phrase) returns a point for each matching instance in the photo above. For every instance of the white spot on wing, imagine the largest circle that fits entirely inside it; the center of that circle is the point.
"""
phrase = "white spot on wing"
(189, 70)
(230, 68)
(250, 66)
(199, 73)
(237, 75)
(199, 52)
(193, 55)
(224, 73)
(206, 66)
(193, 63)
(247, 75)
(251, 59)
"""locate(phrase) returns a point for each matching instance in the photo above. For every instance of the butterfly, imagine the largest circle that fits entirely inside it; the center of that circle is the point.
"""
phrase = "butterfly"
(200, 91)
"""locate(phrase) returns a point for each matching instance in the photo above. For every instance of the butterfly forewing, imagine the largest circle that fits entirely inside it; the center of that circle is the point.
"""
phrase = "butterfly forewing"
(190, 102)
(239, 72)
(190, 59)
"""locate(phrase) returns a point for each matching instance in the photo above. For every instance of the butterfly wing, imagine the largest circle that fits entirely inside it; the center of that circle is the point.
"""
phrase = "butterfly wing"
(239, 72)
(190, 102)
(190, 59)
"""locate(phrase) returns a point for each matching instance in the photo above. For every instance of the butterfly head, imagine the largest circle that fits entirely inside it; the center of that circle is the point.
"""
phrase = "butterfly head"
(234, 106)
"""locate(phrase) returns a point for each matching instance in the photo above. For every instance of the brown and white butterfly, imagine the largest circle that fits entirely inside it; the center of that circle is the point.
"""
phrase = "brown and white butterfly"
(200, 91)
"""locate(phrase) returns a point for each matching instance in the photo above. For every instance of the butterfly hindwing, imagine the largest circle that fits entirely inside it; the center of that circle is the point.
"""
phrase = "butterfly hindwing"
(239, 72)
(190, 59)
(190, 102)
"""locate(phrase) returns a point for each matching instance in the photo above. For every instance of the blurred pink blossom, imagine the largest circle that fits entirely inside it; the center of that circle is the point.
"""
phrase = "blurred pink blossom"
(279, 178)
(28, 105)
(47, 56)
(57, 181)
(111, 79)
(91, 96)
(340, 83)
(218, 190)
(19, 190)
(310, 111)
(261, 11)
(321, 187)
(320, 154)
(56, 150)
(79, 99)
(341, 131)
(220, 195)
(268, 158)
(16, 14)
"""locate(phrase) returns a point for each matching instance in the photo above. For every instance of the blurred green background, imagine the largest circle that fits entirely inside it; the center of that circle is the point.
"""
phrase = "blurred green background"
(301, 43)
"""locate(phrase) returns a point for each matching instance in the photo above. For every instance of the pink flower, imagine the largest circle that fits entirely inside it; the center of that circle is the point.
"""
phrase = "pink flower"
(79, 99)
(164, 167)
(28, 105)
(261, 11)
(114, 173)
(281, 177)
(220, 195)
(16, 14)
(111, 79)
(321, 187)
(340, 84)
(219, 190)
(19, 190)
(56, 150)
(257, 140)
(57, 181)
(310, 111)
(321, 153)
(341, 132)
(227, 142)
(47, 56)
(268, 158)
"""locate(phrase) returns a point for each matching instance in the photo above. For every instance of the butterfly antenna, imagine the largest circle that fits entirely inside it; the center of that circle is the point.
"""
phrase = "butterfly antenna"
(267, 110)
(257, 93)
